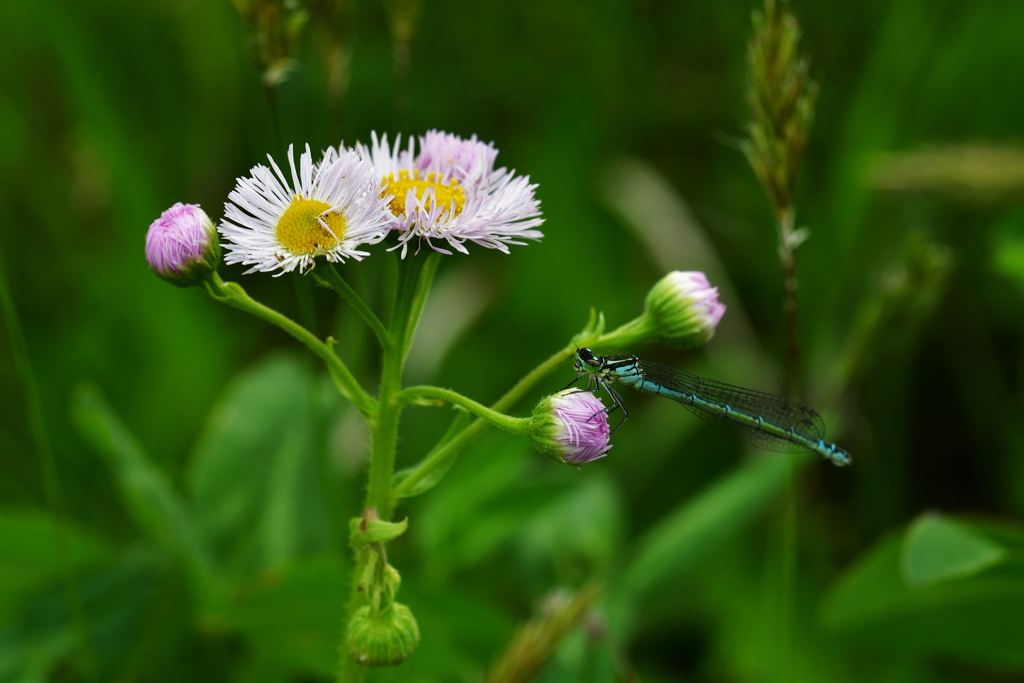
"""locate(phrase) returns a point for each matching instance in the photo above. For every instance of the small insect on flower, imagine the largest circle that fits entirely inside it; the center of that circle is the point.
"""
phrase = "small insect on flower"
(182, 245)
(571, 427)
(451, 191)
(328, 209)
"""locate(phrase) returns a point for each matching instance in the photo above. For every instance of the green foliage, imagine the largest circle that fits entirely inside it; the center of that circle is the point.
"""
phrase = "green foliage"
(208, 470)
(33, 551)
(943, 586)
(254, 473)
(937, 549)
(691, 530)
(290, 617)
(146, 492)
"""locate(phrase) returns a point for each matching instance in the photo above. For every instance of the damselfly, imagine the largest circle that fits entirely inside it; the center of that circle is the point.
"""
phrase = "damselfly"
(760, 420)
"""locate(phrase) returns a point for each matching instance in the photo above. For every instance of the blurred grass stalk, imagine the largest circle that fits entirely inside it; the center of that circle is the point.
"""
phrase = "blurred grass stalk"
(972, 173)
(536, 641)
(51, 480)
(402, 16)
(781, 96)
(275, 26)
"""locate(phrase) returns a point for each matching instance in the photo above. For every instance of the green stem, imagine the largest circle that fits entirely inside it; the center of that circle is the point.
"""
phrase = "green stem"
(349, 670)
(232, 294)
(415, 277)
(519, 426)
(327, 274)
(787, 255)
(441, 455)
(790, 514)
(51, 479)
(790, 511)
(640, 330)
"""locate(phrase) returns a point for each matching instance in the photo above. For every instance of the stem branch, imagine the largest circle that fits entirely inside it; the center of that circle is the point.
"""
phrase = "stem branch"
(327, 274)
(232, 294)
(442, 454)
(519, 426)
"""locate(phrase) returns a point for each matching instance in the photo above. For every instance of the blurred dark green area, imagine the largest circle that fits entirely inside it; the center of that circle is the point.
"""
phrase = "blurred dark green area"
(207, 469)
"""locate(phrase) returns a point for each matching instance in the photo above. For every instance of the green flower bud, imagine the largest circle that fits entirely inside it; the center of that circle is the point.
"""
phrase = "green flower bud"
(685, 308)
(383, 639)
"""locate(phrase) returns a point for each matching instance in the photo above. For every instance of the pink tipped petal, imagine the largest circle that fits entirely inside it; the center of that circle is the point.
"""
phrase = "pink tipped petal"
(177, 239)
(583, 423)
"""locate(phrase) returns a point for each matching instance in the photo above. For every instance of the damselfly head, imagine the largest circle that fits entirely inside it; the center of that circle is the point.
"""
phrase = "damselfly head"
(585, 357)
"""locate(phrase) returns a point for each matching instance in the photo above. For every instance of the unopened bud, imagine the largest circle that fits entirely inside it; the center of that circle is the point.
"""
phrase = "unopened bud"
(182, 245)
(685, 308)
(384, 638)
(571, 427)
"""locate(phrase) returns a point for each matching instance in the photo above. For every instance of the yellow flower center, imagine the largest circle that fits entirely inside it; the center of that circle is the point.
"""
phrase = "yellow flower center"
(301, 233)
(443, 193)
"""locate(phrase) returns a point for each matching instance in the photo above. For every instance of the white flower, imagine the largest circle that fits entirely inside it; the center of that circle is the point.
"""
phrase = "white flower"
(451, 191)
(328, 209)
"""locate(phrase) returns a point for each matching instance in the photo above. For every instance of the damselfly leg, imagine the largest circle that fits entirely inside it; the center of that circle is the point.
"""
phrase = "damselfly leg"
(570, 384)
(617, 402)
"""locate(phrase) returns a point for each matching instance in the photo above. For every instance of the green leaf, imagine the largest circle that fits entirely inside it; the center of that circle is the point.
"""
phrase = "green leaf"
(1008, 250)
(436, 475)
(117, 607)
(254, 475)
(936, 548)
(376, 530)
(485, 502)
(978, 618)
(579, 533)
(35, 549)
(697, 526)
(293, 616)
(146, 491)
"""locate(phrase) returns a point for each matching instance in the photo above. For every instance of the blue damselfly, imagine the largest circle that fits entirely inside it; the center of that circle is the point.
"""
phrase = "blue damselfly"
(758, 419)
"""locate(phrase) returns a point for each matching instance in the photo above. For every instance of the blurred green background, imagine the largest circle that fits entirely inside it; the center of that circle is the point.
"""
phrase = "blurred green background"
(191, 441)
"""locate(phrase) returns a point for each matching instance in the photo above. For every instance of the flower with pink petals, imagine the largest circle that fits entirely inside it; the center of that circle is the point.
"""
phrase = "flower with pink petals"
(182, 245)
(451, 193)
(571, 427)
